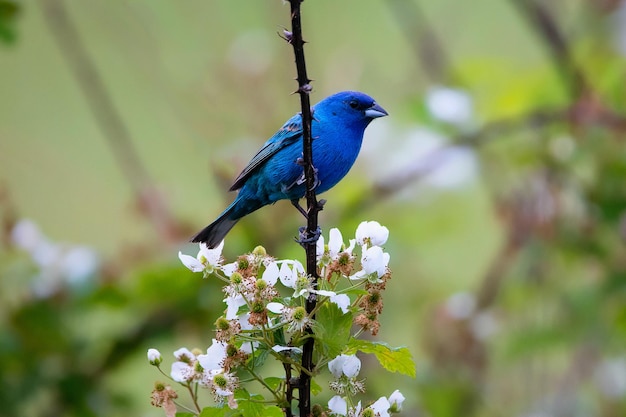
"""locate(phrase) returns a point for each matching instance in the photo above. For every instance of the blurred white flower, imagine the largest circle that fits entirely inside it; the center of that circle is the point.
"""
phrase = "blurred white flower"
(26, 235)
(484, 325)
(610, 377)
(371, 233)
(422, 157)
(59, 264)
(348, 365)
(460, 306)
(79, 263)
(338, 405)
(618, 19)
(449, 105)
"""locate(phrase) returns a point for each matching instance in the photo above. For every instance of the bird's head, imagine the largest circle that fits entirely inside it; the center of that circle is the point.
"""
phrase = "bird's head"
(351, 107)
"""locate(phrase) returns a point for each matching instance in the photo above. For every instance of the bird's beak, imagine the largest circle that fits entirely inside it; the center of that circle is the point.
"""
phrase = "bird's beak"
(375, 111)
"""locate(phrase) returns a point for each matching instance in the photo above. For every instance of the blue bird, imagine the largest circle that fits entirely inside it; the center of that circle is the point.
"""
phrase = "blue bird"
(276, 172)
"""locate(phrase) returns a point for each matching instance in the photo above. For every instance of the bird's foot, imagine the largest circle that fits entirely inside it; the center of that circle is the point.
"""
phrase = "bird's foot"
(302, 179)
(296, 204)
(303, 239)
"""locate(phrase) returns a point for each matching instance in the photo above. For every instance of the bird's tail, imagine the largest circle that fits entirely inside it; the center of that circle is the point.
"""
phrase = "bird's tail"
(213, 234)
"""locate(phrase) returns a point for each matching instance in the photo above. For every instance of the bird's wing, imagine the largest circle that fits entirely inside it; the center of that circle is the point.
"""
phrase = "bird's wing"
(286, 135)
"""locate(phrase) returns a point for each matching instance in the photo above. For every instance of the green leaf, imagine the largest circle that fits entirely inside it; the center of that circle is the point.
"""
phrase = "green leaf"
(259, 357)
(332, 330)
(208, 412)
(274, 382)
(392, 359)
(315, 387)
(255, 408)
(201, 414)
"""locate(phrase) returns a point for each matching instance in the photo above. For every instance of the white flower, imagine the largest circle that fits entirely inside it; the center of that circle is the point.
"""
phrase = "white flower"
(271, 273)
(335, 242)
(182, 372)
(449, 105)
(342, 301)
(381, 407)
(348, 365)
(335, 245)
(276, 308)
(289, 275)
(395, 400)
(228, 269)
(279, 348)
(374, 263)
(184, 355)
(215, 355)
(154, 357)
(232, 305)
(319, 247)
(338, 405)
(207, 259)
(371, 233)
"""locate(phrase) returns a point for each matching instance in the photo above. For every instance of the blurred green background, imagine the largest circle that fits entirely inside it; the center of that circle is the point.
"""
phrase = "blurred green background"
(500, 174)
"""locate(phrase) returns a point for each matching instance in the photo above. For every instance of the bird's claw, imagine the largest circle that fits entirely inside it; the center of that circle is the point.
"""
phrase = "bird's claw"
(303, 239)
(302, 179)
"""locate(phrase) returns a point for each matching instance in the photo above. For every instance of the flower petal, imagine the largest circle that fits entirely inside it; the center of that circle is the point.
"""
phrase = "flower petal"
(215, 355)
(190, 262)
(335, 242)
(338, 405)
(270, 275)
(275, 308)
(342, 301)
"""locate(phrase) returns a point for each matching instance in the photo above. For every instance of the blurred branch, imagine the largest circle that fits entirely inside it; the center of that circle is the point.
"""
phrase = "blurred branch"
(107, 116)
(427, 46)
(544, 24)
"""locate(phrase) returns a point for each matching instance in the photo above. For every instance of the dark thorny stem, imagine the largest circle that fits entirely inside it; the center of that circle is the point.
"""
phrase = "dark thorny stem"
(304, 87)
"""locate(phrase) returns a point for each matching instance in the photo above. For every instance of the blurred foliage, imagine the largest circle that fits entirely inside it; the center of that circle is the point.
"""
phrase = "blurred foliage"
(509, 286)
(9, 11)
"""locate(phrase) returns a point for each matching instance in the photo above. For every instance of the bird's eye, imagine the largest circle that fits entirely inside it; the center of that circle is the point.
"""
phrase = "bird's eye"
(353, 104)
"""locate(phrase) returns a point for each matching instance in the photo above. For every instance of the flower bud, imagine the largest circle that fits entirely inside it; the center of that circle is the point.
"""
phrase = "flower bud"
(259, 251)
(222, 324)
(154, 357)
(236, 278)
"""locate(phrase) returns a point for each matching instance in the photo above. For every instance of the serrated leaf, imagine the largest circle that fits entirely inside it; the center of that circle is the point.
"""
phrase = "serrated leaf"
(392, 359)
(332, 330)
